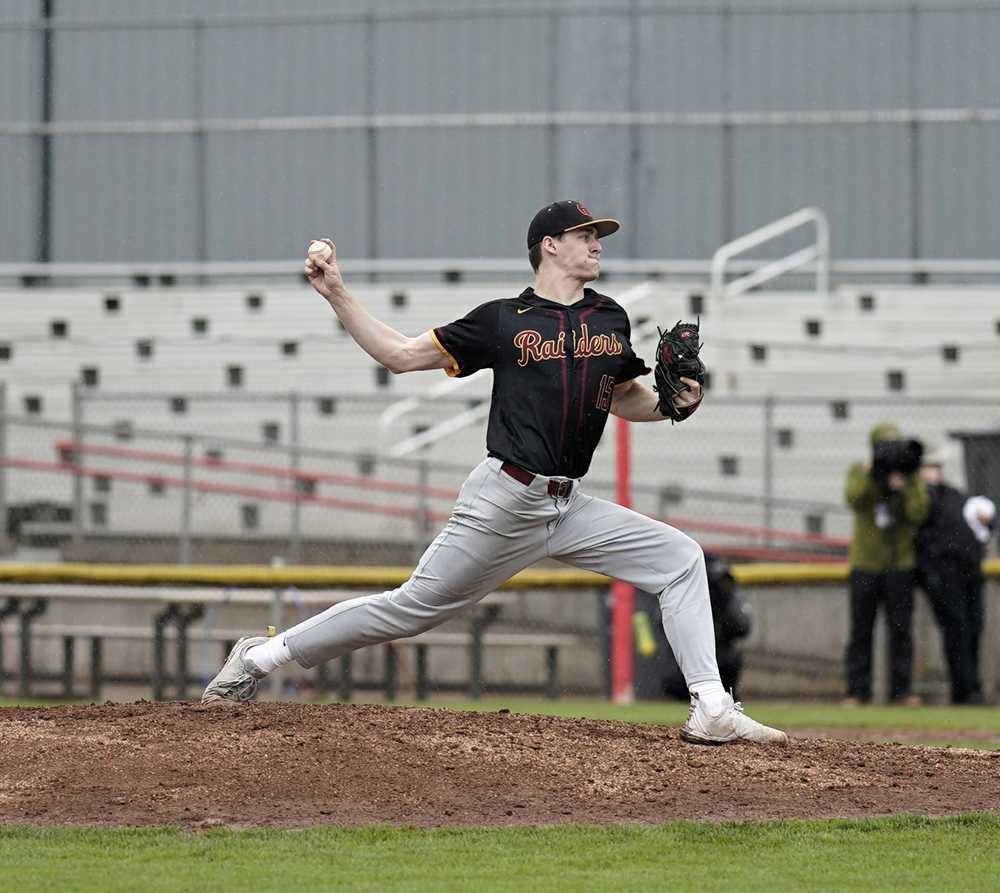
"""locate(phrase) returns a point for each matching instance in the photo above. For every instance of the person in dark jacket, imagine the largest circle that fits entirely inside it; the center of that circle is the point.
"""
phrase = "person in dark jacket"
(890, 502)
(949, 550)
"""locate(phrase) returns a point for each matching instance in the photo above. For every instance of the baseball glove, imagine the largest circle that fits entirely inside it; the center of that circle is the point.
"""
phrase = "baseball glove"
(676, 358)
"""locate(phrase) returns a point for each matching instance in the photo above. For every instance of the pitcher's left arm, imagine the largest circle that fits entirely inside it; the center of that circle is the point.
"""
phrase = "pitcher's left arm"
(638, 402)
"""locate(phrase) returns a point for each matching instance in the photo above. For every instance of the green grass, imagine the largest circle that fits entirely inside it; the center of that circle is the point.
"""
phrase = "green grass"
(904, 853)
(38, 702)
(901, 853)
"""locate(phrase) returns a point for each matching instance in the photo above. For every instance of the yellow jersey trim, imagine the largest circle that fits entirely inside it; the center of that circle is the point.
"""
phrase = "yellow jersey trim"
(455, 368)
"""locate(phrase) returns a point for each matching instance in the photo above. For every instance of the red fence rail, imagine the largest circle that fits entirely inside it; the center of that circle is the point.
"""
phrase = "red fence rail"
(70, 451)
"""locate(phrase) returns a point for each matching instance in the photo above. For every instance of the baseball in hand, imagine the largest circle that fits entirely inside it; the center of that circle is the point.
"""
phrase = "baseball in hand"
(319, 249)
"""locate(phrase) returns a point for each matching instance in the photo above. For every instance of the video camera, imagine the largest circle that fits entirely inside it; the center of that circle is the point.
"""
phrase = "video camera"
(888, 456)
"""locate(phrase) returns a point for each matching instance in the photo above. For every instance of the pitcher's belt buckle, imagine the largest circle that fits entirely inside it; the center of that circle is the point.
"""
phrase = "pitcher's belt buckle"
(560, 488)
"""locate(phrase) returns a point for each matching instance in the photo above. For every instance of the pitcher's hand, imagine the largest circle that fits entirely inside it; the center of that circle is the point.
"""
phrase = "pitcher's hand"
(324, 275)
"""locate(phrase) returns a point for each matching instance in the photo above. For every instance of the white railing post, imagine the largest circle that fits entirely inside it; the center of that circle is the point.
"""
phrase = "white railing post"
(822, 253)
(818, 253)
(3, 465)
(187, 497)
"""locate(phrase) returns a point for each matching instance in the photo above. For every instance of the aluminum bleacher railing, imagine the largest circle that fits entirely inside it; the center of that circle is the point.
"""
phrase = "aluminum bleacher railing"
(692, 272)
(817, 254)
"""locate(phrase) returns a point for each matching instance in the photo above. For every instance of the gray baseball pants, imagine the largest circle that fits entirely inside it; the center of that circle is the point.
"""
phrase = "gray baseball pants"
(500, 526)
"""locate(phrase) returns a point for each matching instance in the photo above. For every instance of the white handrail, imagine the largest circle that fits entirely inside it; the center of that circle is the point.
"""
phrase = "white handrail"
(678, 273)
(818, 252)
(449, 426)
(395, 411)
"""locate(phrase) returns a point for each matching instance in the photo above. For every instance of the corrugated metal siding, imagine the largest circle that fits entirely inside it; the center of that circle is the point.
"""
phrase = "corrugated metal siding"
(268, 194)
(593, 167)
(463, 65)
(20, 100)
(680, 192)
(19, 206)
(819, 61)
(959, 58)
(682, 63)
(20, 81)
(124, 74)
(127, 198)
(128, 9)
(270, 71)
(452, 192)
(857, 174)
(960, 191)
(261, 194)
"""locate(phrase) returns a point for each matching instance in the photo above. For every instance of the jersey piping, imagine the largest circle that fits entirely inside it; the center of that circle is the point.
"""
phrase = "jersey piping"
(455, 369)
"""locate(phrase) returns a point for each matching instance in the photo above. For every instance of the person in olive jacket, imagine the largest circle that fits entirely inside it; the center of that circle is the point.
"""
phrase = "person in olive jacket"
(890, 502)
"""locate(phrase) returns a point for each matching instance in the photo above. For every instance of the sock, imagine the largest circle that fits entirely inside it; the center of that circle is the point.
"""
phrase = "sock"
(270, 655)
(711, 695)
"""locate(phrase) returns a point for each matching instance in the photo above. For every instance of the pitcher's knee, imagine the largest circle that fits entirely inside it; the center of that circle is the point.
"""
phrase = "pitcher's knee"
(685, 574)
(415, 626)
(410, 616)
(690, 556)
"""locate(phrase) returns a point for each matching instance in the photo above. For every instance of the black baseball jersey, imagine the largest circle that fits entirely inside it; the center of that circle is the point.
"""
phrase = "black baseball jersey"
(554, 370)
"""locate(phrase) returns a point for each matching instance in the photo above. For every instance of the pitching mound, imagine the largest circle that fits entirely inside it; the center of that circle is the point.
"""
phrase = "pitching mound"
(292, 765)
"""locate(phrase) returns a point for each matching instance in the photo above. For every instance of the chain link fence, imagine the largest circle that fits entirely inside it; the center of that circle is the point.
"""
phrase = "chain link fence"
(244, 477)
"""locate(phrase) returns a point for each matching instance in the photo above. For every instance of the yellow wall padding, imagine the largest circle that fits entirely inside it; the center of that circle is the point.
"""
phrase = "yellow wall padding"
(374, 578)
(378, 578)
(789, 573)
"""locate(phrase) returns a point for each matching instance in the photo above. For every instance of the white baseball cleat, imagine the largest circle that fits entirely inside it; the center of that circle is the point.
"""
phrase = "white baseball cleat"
(237, 680)
(730, 724)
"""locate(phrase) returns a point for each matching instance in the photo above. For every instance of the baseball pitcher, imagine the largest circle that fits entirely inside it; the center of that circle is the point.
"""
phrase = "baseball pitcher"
(562, 361)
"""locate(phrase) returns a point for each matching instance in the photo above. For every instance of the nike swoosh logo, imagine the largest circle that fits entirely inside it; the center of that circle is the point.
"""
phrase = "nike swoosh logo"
(525, 310)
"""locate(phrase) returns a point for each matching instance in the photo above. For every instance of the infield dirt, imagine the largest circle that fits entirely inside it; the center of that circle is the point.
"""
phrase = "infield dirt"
(294, 765)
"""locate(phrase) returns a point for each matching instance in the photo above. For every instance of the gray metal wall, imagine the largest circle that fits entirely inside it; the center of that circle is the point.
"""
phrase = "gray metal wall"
(896, 189)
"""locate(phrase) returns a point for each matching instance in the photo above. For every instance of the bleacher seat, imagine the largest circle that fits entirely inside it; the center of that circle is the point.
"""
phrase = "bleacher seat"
(169, 351)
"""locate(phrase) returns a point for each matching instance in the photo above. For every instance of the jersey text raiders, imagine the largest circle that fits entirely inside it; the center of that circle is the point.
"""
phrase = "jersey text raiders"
(554, 371)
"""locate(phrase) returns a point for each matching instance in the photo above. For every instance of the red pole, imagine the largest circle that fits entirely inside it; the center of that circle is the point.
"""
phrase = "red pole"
(622, 595)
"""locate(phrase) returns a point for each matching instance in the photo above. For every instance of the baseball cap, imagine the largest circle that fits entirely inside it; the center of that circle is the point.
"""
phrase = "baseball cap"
(561, 217)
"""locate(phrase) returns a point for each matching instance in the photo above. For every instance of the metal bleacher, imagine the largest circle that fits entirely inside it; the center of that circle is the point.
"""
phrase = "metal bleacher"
(872, 348)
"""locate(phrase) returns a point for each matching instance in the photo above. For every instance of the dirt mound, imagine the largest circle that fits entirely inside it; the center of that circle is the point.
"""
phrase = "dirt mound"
(293, 765)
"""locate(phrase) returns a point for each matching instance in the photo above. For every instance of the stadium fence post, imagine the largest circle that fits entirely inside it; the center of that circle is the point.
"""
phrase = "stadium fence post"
(277, 678)
(768, 476)
(3, 466)
(422, 516)
(76, 401)
(295, 535)
(184, 541)
(623, 595)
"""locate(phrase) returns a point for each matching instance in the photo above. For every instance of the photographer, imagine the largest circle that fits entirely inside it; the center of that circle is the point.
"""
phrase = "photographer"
(890, 502)
(950, 547)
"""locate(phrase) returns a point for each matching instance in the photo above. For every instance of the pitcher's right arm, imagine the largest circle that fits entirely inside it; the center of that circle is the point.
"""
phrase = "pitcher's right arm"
(394, 350)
